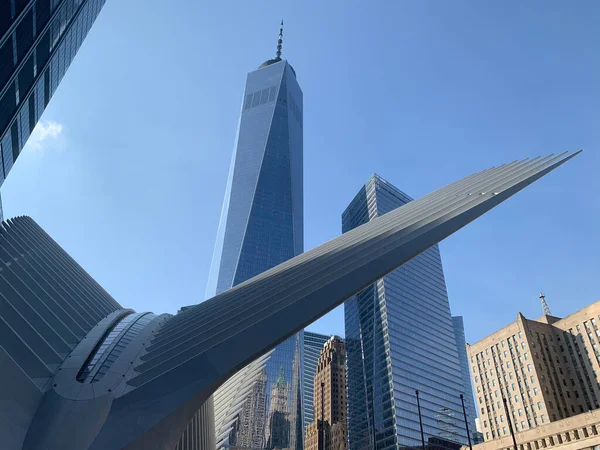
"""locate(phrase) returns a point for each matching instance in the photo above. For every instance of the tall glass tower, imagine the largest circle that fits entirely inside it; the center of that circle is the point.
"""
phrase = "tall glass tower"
(38, 41)
(399, 339)
(461, 347)
(261, 227)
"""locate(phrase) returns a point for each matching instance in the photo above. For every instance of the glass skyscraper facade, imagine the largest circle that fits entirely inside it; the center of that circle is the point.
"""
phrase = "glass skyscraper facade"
(313, 344)
(461, 347)
(39, 39)
(399, 339)
(261, 227)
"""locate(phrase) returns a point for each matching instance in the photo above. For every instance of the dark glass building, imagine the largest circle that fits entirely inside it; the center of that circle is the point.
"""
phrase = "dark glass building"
(38, 41)
(399, 339)
(261, 227)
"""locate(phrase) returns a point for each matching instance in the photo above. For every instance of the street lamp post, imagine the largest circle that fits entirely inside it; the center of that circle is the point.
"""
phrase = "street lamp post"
(322, 416)
(512, 433)
(420, 420)
(462, 400)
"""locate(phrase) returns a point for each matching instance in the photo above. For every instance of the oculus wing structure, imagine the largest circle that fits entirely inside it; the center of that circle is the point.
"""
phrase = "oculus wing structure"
(122, 380)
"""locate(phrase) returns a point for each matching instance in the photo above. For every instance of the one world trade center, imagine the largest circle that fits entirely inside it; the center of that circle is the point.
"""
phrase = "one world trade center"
(262, 226)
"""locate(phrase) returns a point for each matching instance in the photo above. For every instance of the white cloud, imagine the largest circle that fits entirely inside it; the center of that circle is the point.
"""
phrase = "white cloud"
(45, 134)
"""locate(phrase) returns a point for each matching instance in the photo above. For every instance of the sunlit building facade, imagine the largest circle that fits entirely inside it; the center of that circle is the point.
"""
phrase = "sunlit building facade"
(547, 369)
(399, 339)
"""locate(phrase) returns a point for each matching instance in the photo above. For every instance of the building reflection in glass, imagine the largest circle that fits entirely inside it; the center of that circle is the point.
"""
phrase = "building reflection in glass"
(273, 421)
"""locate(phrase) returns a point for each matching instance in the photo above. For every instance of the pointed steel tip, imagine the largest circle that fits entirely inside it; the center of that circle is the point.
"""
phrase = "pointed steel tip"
(566, 152)
(566, 156)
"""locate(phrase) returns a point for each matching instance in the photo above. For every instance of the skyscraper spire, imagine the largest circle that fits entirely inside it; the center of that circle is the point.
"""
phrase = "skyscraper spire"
(280, 41)
(278, 53)
(545, 305)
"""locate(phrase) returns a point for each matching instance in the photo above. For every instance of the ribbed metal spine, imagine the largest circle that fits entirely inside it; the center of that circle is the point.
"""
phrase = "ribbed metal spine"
(195, 352)
(48, 303)
(199, 434)
(313, 283)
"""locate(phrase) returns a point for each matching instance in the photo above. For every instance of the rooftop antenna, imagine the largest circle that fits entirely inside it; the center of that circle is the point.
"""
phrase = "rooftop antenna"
(280, 41)
(545, 305)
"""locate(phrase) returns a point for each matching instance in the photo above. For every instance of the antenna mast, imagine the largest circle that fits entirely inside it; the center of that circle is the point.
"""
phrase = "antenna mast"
(280, 41)
(545, 305)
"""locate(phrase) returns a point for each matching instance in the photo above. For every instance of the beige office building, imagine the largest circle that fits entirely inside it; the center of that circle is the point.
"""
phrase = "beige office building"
(329, 431)
(580, 432)
(547, 370)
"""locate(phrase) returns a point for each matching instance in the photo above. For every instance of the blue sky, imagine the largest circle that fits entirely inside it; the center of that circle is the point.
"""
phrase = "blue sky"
(128, 170)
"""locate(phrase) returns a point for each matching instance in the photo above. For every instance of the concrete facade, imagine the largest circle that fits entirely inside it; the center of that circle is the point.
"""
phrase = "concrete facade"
(547, 369)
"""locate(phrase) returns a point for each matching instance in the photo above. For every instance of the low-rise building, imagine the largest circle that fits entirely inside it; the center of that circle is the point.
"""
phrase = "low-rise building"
(580, 432)
(534, 373)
